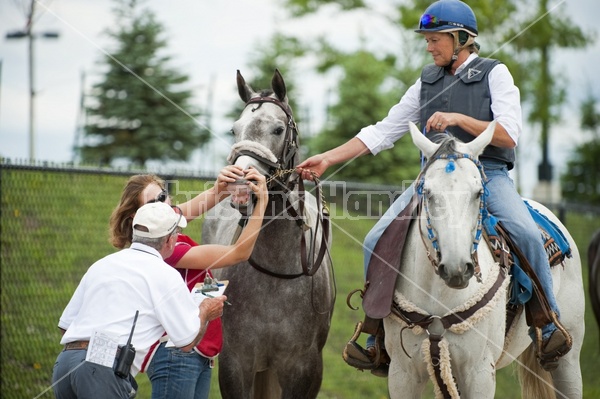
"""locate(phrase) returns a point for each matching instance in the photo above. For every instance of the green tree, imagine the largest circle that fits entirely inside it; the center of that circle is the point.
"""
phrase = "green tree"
(280, 52)
(141, 110)
(581, 180)
(539, 36)
(365, 84)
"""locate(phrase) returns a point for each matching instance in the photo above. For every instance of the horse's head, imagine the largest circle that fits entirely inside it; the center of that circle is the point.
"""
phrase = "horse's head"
(452, 193)
(266, 136)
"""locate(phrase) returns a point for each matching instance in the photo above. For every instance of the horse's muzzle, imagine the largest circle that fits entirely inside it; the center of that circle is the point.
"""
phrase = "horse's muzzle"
(241, 197)
(457, 278)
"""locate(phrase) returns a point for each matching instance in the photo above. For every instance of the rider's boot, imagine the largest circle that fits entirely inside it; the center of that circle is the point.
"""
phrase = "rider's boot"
(374, 358)
(551, 349)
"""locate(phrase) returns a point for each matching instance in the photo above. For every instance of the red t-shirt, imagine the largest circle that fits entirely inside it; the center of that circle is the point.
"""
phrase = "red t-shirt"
(212, 342)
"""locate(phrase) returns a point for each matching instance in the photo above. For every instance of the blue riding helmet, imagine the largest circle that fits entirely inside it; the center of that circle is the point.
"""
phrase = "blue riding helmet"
(447, 16)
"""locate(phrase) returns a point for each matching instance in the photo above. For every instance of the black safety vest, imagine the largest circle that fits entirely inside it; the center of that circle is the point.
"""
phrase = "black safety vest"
(466, 93)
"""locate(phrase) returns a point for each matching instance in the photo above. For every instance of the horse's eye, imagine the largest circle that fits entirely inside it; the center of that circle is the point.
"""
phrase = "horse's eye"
(231, 132)
(278, 131)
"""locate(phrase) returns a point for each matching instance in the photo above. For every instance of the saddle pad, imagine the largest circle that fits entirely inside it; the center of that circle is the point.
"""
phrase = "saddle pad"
(384, 264)
(556, 245)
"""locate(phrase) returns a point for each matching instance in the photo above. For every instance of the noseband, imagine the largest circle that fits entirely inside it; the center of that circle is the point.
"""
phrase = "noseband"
(424, 202)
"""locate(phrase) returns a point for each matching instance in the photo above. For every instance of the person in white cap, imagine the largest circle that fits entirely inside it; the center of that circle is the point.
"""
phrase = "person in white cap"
(134, 283)
(171, 372)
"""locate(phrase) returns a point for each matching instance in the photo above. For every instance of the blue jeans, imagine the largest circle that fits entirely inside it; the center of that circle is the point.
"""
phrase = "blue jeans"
(74, 378)
(505, 203)
(177, 374)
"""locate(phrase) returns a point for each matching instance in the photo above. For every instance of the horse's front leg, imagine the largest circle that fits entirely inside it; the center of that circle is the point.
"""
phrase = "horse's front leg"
(480, 382)
(302, 379)
(473, 360)
(407, 375)
(235, 377)
(404, 384)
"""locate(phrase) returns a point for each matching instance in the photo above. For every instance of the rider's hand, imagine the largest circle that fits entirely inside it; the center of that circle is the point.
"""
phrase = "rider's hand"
(316, 164)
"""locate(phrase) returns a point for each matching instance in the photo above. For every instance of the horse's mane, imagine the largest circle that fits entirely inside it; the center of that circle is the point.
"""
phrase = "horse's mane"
(266, 92)
(447, 147)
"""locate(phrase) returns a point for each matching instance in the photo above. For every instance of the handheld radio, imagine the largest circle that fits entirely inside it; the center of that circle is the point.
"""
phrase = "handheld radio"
(127, 354)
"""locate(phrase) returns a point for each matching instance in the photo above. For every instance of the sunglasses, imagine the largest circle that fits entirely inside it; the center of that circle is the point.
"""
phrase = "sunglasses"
(429, 21)
(162, 197)
(180, 213)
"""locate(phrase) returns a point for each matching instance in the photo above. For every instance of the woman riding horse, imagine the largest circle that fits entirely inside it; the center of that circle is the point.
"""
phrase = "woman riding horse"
(486, 90)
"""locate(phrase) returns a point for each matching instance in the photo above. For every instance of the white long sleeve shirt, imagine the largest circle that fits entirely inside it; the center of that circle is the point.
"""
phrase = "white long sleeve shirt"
(506, 108)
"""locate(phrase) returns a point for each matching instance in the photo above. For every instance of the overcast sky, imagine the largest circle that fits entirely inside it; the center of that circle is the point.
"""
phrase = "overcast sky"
(209, 41)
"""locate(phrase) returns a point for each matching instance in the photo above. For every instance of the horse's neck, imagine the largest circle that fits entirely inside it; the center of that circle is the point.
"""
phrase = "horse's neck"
(281, 214)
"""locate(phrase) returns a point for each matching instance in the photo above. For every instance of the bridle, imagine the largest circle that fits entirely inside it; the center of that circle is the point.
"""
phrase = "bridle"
(279, 175)
(424, 208)
(280, 170)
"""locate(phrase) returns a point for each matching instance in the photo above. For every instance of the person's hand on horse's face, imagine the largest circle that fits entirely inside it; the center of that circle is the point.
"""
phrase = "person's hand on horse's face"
(229, 174)
(257, 183)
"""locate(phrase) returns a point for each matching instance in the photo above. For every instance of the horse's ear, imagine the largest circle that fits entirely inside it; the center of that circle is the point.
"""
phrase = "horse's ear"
(477, 146)
(244, 89)
(278, 86)
(427, 147)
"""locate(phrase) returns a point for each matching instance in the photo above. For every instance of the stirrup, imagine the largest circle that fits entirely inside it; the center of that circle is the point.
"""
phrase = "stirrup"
(549, 360)
(355, 355)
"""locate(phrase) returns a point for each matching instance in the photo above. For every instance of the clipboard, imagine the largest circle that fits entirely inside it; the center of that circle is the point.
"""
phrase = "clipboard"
(207, 289)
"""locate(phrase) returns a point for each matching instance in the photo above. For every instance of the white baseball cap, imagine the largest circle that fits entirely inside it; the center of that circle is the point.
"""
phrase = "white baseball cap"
(157, 220)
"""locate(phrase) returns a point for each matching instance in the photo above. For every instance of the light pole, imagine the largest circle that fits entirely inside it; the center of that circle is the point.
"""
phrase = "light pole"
(28, 33)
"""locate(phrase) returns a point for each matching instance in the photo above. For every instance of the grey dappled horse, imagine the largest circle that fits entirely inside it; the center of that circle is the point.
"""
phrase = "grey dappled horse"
(458, 335)
(282, 297)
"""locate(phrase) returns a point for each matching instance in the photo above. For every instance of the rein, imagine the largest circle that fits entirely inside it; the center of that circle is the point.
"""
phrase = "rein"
(424, 202)
(281, 171)
(310, 265)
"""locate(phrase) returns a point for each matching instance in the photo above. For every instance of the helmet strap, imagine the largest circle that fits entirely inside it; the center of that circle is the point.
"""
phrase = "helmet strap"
(458, 47)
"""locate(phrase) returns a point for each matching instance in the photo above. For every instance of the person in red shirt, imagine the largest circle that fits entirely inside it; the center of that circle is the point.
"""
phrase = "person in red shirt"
(171, 371)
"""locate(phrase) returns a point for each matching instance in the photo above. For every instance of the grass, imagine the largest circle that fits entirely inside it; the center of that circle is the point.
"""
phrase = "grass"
(54, 225)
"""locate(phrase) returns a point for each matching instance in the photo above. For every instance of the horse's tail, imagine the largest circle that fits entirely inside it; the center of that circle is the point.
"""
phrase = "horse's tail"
(535, 381)
(266, 385)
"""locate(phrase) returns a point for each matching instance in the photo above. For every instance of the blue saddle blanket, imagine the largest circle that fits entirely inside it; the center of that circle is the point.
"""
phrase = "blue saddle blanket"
(556, 245)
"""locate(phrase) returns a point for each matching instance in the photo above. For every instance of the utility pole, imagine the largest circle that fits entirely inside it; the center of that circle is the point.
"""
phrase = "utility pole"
(30, 35)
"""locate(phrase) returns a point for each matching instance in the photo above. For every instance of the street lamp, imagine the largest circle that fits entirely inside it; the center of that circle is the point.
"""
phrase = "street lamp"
(27, 33)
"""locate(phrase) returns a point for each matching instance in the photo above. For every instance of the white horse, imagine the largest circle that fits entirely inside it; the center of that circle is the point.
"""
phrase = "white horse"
(462, 356)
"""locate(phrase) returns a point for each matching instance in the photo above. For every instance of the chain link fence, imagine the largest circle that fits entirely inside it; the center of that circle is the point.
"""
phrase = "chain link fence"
(54, 225)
